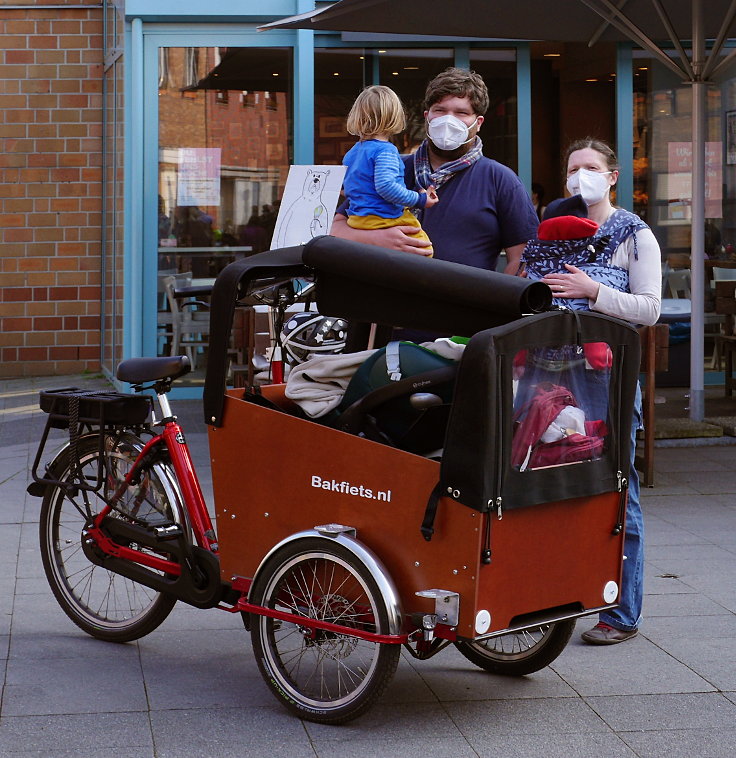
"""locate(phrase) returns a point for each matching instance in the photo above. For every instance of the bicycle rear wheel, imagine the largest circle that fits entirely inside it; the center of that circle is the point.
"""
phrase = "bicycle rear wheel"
(519, 653)
(321, 676)
(104, 604)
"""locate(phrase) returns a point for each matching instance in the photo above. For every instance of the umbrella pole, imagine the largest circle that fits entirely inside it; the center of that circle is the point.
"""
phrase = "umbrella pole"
(697, 242)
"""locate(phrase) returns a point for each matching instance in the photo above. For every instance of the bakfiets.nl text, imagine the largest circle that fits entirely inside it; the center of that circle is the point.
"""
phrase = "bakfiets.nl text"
(357, 490)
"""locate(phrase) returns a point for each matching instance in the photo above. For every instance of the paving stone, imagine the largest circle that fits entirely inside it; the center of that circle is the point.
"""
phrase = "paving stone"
(452, 677)
(72, 685)
(212, 669)
(690, 603)
(229, 733)
(413, 721)
(682, 743)
(126, 735)
(709, 710)
(368, 747)
(552, 746)
(480, 721)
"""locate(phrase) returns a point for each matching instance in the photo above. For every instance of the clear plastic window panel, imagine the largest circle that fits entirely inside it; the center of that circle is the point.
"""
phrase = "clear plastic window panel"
(561, 405)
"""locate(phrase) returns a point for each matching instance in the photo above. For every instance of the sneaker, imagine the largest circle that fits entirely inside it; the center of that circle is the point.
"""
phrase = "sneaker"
(605, 634)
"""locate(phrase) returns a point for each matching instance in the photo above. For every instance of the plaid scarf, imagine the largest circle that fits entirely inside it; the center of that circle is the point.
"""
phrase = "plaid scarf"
(424, 175)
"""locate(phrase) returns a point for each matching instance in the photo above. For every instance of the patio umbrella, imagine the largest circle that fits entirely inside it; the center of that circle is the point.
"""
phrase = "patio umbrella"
(645, 22)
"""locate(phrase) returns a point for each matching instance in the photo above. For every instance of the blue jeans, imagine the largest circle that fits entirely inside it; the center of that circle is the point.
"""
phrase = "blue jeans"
(628, 614)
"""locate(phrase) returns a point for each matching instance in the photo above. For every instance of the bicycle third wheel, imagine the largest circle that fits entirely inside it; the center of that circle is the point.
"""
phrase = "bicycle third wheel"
(104, 604)
(519, 653)
(321, 676)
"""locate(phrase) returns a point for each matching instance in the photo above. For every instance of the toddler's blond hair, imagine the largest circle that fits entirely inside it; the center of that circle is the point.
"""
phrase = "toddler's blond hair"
(376, 111)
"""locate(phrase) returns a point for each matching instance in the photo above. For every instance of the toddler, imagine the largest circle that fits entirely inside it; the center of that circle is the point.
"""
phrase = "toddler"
(374, 183)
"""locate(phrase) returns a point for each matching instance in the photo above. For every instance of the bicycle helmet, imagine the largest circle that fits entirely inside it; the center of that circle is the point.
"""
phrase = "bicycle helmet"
(310, 333)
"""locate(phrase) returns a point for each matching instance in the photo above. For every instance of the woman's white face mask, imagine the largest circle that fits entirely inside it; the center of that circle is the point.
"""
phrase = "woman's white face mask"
(592, 185)
(449, 132)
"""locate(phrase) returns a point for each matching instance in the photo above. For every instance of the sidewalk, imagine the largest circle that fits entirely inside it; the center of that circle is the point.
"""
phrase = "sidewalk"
(192, 689)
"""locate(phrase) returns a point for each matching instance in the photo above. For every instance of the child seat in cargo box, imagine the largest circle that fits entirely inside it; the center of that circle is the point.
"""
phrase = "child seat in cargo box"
(401, 396)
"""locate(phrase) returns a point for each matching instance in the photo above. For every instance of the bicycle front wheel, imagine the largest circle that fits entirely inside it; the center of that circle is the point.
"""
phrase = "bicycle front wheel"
(321, 676)
(104, 604)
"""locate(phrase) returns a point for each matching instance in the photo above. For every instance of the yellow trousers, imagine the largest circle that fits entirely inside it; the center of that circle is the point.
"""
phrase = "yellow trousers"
(407, 218)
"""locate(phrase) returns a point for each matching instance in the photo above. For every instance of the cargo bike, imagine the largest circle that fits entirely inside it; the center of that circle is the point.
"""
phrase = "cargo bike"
(341, 539)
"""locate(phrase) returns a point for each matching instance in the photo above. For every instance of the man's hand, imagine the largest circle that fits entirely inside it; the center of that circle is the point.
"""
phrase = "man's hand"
(394, 237)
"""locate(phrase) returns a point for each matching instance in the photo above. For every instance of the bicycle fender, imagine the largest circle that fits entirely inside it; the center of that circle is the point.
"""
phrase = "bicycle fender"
(38, 487)
(361, 553)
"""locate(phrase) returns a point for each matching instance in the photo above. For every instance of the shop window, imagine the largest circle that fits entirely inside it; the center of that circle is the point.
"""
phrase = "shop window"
(224, 155)
(663, 162)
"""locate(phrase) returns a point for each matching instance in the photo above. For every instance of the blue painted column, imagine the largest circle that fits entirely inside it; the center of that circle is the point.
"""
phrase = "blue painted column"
(304, 95)
(625, 125)
(524, 113)
(133, 263)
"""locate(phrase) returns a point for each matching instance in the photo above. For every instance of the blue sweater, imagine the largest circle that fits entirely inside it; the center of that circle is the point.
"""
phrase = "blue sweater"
(374, 182)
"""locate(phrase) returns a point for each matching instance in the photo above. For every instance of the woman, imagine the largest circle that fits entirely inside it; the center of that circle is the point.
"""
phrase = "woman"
(619, 274)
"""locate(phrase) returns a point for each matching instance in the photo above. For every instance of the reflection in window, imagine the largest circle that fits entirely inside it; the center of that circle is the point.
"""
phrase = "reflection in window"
(407, 72)
(191, 67)
(163, 67)
(561, 401)
(499, 131)
(340, 75)
(663, 162)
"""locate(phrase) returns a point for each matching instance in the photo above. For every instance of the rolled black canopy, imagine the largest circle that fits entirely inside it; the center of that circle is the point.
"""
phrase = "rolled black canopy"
(370, 283)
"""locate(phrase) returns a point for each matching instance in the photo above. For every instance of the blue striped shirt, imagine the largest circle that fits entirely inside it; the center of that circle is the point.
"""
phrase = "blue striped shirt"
(374, 182)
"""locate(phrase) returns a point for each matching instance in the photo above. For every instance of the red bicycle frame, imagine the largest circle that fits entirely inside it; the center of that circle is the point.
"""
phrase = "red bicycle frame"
(173, 438)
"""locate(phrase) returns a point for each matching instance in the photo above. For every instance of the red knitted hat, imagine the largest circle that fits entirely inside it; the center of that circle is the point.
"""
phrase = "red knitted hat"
(566, 228)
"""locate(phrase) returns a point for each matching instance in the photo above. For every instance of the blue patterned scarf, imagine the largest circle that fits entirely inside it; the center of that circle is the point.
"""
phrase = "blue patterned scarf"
(425, 177)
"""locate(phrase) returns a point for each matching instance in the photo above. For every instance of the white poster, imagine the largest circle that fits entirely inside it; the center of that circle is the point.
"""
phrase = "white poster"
(308, 204)
(198, 180)
(680, 179)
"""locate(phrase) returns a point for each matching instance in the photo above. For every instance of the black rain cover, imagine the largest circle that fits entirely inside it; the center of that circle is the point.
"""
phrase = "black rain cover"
(476, 466)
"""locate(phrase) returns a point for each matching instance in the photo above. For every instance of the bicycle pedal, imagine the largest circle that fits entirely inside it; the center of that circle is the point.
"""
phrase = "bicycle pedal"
(167, 531)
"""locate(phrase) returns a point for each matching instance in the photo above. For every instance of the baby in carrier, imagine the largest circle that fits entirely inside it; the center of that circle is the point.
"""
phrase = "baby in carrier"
(561, 391)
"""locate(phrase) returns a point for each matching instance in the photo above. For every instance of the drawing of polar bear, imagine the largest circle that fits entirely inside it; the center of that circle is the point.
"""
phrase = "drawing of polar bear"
(307, 216)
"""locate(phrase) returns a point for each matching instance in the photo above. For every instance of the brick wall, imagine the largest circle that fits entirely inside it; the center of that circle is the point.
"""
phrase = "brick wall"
(50, 189)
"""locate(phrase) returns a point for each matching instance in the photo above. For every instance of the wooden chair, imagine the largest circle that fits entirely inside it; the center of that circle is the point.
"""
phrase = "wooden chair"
(654, 357)
(190, 321)
(679, 283)
(165, 318)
